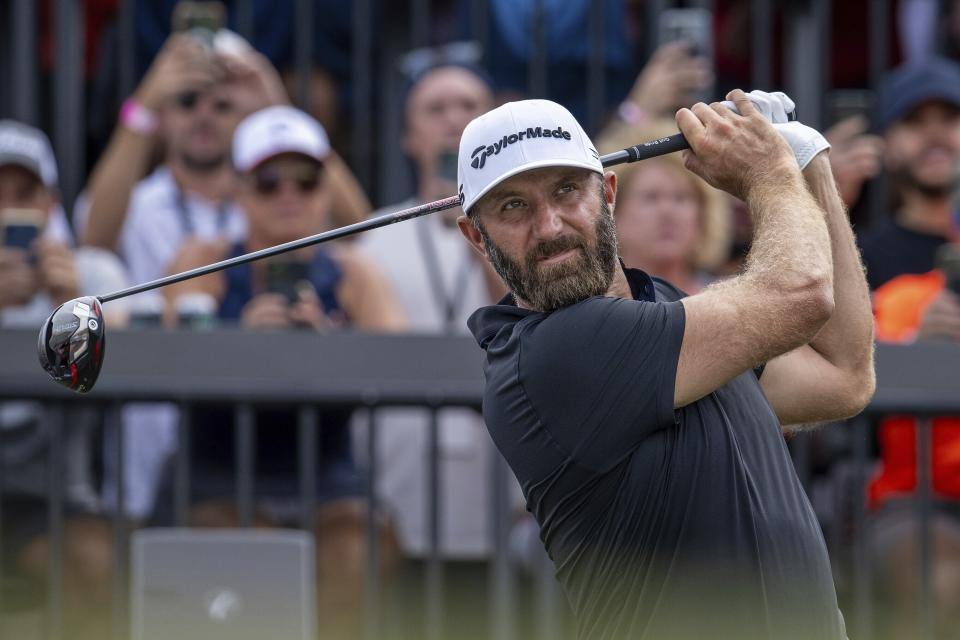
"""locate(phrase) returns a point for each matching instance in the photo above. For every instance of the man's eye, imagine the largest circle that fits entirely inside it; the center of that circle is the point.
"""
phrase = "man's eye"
(512, 204)
(567, 187)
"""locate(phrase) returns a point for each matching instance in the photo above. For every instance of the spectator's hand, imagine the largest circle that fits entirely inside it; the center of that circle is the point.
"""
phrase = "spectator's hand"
(266, 311)
(193, 254)
(254, 80)
(672, 78)
(183, 64)
(308, 312)
(941, 319)
(18, 280)
(856, 156)
(57, 271)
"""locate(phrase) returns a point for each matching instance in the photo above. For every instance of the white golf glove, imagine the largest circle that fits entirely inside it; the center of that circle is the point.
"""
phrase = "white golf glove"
(806, 142)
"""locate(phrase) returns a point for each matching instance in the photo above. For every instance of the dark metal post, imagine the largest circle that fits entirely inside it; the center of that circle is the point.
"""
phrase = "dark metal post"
(501, 598)
(55, 491)
(596, 74)
(434, 576)
(862, 565)
(307, 438)
(879, 61)
(479, 20)
(304, 51)
(804, 59)
(69, 114)
(24, 55)
(246, 25)
(127, 48)
(362, 55)
(118, 605)
(372, 590)
(924, 508)
(537, 64)
(761, 39)
(181, 483)
(244, 437)
(419, 23)
(654, 7)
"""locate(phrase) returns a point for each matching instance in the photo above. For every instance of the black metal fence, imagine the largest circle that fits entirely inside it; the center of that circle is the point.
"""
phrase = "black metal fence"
(370, 372)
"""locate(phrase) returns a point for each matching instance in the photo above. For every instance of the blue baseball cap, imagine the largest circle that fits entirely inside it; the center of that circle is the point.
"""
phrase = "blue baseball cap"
(912, 84)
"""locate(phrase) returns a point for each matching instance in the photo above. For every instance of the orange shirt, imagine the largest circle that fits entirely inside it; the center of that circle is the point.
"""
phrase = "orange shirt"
(898, 307)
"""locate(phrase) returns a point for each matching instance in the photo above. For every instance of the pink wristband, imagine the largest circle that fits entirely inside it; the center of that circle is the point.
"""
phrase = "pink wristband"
(632, 113)
(138, 118)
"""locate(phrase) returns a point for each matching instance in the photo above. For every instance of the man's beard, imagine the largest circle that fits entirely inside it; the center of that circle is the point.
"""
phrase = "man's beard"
(549, 287)
(203, 164)
(905, 178)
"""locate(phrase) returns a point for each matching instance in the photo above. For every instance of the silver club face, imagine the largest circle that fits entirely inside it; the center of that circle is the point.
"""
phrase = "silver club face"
(71, 344)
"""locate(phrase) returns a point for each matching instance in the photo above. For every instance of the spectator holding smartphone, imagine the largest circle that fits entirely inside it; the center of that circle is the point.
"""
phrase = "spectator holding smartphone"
(38, 271)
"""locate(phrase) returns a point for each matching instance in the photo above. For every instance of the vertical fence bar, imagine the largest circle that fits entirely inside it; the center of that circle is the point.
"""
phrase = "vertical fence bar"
(69, 114)
(181, 479)
(434, 576)
(55, 489)
(503, 623)
(862, 531)
(23, 72)
(244, 436)
(761, 40)
(879, 59)
(804, 59)
(245, 18)
(303, 53)
(2, 542)
(924, 509)
(307, 439)
(537, 64)
(372, 585)
(596, 67)
(479, 19)
(654, 8)
(419, 23)
(126, 30)
(118, 609)
(362, 56)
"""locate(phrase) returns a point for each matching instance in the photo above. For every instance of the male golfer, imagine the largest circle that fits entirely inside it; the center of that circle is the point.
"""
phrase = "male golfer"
(644, 426)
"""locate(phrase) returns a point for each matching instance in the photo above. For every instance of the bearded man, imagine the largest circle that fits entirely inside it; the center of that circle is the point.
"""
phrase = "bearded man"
(644, 426)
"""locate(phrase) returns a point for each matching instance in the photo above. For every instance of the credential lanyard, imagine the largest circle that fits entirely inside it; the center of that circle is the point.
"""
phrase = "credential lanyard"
(448, 303)
(186, 222)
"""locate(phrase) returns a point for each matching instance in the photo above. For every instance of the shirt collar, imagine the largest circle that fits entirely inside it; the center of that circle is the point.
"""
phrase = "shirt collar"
(486, 322)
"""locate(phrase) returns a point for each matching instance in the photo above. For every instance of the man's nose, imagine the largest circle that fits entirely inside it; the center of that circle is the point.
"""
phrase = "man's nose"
(547, 223)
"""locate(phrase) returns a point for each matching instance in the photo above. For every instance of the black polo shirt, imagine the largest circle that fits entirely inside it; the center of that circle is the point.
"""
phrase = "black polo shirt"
(661, 523)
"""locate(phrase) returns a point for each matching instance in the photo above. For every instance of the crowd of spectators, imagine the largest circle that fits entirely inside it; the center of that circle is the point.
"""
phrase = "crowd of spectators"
(208, 159)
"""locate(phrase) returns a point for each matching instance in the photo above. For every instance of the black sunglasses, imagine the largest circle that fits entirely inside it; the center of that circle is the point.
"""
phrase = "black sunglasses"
(267, 181)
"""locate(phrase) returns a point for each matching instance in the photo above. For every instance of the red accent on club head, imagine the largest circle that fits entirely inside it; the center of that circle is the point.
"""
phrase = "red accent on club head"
(73, 375)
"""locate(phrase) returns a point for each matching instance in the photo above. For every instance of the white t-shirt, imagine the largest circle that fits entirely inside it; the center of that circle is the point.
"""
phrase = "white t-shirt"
(437, 295)
(159, 220)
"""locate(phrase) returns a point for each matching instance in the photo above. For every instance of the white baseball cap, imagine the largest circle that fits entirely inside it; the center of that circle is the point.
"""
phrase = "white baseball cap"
(517, 137)
(275, 130)
(28, 147)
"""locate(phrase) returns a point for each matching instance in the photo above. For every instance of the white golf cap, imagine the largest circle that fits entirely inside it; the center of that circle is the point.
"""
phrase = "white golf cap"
(517, 137)
(275, 130)
(28, 147)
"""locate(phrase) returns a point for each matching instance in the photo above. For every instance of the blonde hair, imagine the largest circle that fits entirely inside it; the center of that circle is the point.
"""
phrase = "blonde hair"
(716, 229)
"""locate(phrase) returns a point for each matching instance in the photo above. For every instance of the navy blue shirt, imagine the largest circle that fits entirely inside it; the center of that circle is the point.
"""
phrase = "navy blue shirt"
(661, 523)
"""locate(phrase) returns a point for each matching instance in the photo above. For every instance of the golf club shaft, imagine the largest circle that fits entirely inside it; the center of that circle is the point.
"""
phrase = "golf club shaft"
(641, 151)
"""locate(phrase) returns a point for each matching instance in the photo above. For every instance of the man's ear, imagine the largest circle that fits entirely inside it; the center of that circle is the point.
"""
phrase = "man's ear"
(472, 234)
(610, 189)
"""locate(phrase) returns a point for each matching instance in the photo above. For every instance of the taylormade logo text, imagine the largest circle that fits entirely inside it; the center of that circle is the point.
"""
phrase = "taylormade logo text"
(481, 153)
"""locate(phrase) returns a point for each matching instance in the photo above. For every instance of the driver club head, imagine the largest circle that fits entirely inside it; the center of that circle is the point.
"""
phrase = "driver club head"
(71, 343)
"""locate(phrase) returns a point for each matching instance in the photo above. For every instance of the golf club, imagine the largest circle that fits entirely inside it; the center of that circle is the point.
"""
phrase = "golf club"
(72, 341)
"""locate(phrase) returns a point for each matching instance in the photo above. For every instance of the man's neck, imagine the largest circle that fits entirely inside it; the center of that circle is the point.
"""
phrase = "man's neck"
(215, 185)
(925, 214)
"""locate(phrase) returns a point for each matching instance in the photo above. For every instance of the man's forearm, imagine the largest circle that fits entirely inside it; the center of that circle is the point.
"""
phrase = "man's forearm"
(122, 165)
(846, 340)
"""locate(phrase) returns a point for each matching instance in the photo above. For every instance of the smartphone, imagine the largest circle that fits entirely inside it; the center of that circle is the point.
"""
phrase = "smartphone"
(202, 19)
(845, 103)
(695, 27)
(948, 261)
(285, 277)
(21, 227)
